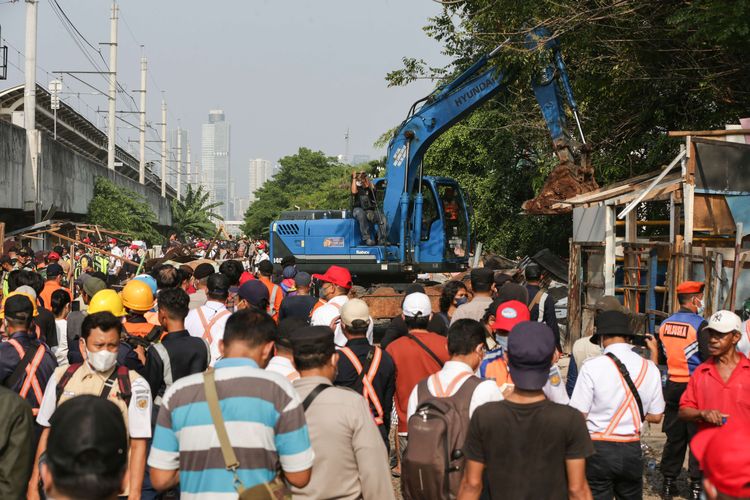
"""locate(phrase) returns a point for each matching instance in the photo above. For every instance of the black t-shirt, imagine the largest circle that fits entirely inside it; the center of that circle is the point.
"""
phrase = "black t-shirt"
(524, 447)
(364, 199)
(296, 306)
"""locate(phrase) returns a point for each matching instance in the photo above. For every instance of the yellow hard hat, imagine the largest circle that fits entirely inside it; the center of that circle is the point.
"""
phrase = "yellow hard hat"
(106, 300)
(11, 294)
(137, 296)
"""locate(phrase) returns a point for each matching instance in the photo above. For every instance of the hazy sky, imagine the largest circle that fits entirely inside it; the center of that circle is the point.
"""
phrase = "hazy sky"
(286, 73)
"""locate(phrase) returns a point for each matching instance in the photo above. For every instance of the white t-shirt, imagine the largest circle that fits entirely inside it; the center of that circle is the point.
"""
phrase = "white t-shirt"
(61, 351)
(283, 366)
(194, 326)
(486, 392)
(139, 409)
(325, 314)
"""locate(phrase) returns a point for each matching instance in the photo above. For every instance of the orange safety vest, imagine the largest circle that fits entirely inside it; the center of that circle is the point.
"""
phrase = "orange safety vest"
(207, 325)
(368, 391)
(628, 405)
(318, 304)
(152, 317)
(138, 329)
(30, 381)
(497, 369)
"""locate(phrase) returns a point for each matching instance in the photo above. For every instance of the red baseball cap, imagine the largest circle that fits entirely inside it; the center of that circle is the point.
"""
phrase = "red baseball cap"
(261, 246)
(724, 456)
(690, 287)
(509, 314)
(112, 240)
(53, 256)
(337, 275)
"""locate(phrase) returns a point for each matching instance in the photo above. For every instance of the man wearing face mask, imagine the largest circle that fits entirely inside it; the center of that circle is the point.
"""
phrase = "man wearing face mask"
(685, 344)
(100, 375)
(336, 283)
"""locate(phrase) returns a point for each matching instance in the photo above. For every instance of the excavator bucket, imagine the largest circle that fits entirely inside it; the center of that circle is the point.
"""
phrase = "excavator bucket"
(568, 179)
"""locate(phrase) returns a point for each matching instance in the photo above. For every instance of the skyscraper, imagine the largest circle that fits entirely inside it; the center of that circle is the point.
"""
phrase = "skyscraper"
(215, 166)
(261, 171)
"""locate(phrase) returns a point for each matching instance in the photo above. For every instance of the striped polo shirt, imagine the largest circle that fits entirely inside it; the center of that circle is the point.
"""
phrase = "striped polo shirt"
(264, 419)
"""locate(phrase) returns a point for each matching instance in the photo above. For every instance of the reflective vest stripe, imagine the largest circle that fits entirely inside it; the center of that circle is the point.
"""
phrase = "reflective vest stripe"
(368, 391)
(446, 393)
(628, 405)
(208, 324)
(30, 381)
(271, 309)
(542, 300)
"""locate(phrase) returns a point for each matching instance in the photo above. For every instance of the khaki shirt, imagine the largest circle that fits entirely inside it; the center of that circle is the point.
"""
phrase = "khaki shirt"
(351, 461)
(84, 381)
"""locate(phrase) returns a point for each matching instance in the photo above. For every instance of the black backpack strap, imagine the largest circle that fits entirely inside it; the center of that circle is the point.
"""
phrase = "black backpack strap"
(108, 385)
(123, 379)
(314, 394)
(154, 334)
(629, 382)
(66, 376)
(20, 369)
(426, 349)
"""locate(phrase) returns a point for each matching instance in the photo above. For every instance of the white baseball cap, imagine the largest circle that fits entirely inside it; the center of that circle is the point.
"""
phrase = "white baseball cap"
(417, 304)
(725, 322)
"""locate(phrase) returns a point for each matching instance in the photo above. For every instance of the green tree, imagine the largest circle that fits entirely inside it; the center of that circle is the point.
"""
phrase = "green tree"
(638, 69)
(192, 216)
(307, 180)
(121, 209)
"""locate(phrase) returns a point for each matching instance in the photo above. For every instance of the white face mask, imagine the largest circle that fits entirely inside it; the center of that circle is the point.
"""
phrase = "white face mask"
(101, 361)
(701, 307)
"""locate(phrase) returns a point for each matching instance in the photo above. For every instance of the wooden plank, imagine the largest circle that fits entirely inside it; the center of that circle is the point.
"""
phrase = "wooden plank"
(736, 269)
(609, 250)
(708, 133)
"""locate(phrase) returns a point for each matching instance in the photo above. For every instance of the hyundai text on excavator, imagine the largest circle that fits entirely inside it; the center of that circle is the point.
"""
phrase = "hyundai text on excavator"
(423, 222)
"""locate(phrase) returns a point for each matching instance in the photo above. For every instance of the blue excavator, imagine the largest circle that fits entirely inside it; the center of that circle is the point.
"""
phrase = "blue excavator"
(422, 222)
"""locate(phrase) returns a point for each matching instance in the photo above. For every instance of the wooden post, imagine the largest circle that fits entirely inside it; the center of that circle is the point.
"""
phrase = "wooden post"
(574, 293)
(609, 250)
(737, 268)
(2, 237)
(630, 254)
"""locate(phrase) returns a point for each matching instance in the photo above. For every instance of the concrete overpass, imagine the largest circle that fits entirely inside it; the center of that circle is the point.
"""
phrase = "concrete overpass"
(68, 165)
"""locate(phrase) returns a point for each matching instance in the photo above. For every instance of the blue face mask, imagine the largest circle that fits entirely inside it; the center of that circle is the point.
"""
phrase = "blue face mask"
(461, 301)
(502, 341)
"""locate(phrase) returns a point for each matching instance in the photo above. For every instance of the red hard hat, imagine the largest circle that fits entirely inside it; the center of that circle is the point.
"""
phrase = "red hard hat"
(337, 275)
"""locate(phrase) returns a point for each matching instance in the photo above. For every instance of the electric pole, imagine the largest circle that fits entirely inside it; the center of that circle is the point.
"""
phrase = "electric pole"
(179, 162)
(142, 131)
(163, 147)
(112, 124)
(29, 105)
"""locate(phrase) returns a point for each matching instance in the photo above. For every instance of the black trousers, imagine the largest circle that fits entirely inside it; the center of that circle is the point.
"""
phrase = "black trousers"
(615, 471)
(678, 434)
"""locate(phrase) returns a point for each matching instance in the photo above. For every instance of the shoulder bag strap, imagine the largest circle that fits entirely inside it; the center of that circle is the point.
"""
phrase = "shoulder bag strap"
(629, 382)
(426, 349)
(20, 368)
(314, 394)
(212, 398)
(366, 365)
(536, 299)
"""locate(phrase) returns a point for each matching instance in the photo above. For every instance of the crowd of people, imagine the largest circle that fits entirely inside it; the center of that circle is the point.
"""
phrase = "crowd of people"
(231, 379)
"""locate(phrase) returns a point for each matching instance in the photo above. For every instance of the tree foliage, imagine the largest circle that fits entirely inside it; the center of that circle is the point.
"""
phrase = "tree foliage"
(121, 209)
(638, 69)
(307, 180)
(192, 215)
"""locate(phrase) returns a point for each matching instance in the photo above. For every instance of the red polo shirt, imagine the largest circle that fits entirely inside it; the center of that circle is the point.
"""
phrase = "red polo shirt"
(707, 391)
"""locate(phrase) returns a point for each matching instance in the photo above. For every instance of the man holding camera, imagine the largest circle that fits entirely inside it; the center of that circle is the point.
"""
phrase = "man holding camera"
(363, 205)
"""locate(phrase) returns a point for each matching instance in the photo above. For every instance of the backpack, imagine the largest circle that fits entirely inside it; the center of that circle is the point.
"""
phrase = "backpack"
(121, 374)
(433, 461)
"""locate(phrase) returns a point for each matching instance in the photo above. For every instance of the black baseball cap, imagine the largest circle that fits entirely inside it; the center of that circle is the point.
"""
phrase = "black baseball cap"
(253, 291)
(25, 251)
(218, 284)
(18, 307)
(203, 270)
(531, 346)
(288, 328)
(87, 436)
(54, 270)
(313, 340)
